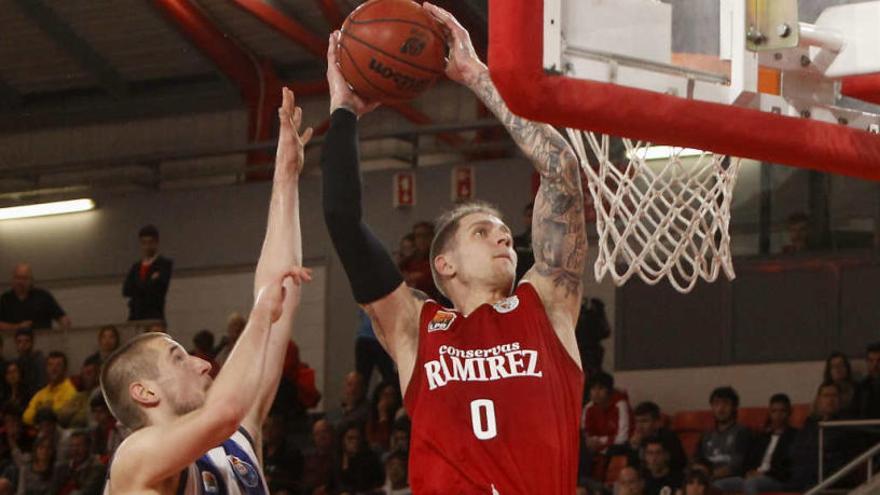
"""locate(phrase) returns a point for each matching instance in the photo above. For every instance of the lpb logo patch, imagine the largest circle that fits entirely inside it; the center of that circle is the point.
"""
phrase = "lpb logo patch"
(442, 321)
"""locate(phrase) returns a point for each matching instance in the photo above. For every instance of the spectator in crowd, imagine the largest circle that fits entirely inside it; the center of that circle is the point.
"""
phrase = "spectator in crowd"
(724, 448)
(591, 329)
(15, 391)
(354, 407)
(698, 482)
(25, 307)
(522, 244)
(83, 473)
(658, 475)
(46, 424)
(647, 423)
(31, 362)
(399, 442)
(106, 433)
(76, 413)
(768, 462)
(318, 462)
(798, 225)
(385, 403)
(235, 324)
(37, 472)
(629, 482)
(406, 247)
(838, 442)
(606, 418)
(369, 354)
(839, 371)
(108, 341)
(14, 430)
(57, 394)
(282, 463)
(358, 467)
(396, 482)
(204, 350)
(147, 282)
(417, 269)
(869, 389)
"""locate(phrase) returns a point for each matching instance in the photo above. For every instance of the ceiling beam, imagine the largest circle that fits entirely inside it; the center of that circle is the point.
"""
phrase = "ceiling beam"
(75, 46)
(285, 25)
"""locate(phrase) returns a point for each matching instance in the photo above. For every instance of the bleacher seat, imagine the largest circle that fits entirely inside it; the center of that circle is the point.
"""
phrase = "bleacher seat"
(799, 414)
(753, 418)
(693, 421)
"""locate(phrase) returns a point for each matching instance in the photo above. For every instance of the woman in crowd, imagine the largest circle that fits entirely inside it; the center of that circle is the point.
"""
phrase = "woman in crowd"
(359, 469)
(385, 403)
(839, 372)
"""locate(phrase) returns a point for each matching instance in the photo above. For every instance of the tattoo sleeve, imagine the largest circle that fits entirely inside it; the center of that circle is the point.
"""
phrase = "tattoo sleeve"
(558, 231)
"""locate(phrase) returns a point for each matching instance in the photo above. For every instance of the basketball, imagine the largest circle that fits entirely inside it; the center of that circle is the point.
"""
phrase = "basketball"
(391, 50)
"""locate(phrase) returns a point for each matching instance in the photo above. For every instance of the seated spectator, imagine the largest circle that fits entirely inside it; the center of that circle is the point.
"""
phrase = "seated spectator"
(385, 403)
(84, 473)
(46, 424)
(76, 413)
(400, 436)
(318, 460)
(57, 393)
(25, 307)
(768, 463)
(839, 371)
(282, 463)
(591, 329)
(15, 431)
(606, 418)
(204, 350)
(15, 391)
(658, 475)
(629, 482)
(354, 407)
(648, 423)
(30, 361)
(396, 482)
(724, 448)
(234, 326)
(358, 468)
(406, 247)
(37, 472)
(869, 389)
(697, 482)
(417, 269)
(839, 443)
(106, 433)
(108, 341)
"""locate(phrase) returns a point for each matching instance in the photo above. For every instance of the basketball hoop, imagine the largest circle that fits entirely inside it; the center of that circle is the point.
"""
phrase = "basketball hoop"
(659, 217)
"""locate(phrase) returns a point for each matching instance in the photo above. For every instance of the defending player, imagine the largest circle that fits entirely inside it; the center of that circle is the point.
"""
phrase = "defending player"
(493, 386)
(192, 437)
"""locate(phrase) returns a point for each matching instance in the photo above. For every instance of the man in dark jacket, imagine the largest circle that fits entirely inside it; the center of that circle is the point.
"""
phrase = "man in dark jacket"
(147, 282)
(768, 461)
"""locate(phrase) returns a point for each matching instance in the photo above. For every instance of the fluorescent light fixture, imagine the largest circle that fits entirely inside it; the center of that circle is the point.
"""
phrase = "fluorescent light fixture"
(45, 209)
(663, 152)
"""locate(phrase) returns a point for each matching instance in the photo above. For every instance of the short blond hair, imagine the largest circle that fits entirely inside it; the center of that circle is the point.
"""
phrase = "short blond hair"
(447, 226)
(132, 361)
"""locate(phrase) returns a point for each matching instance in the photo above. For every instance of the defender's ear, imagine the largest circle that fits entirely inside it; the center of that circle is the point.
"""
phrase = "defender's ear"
(143, 394)
(444, 265)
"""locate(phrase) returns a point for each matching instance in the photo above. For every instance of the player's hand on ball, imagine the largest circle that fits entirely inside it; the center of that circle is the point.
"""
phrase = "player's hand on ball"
(290, 154)
(464, 65)
(341, 95)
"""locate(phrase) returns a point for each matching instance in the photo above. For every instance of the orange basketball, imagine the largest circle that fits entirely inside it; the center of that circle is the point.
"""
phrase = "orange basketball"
(391, 50)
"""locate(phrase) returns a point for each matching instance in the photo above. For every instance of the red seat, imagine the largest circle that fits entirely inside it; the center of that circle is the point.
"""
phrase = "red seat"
(689, 441)
(799, 414)
(693, 421)
(754, 418)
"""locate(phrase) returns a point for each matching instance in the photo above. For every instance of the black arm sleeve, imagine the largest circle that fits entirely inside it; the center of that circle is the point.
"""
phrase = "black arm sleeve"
(371, 271)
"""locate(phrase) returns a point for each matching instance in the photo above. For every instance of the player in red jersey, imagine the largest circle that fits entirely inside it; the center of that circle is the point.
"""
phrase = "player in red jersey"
(494, 385)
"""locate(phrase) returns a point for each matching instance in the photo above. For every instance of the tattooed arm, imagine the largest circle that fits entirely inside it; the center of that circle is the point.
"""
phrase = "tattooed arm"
(558, 231)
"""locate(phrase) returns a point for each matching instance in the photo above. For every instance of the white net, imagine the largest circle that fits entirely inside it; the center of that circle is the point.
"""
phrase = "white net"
(659, 217)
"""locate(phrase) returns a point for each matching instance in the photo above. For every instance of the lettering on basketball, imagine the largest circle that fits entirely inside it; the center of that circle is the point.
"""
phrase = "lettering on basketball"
(402, 81)
(481, 365)
(414, 45)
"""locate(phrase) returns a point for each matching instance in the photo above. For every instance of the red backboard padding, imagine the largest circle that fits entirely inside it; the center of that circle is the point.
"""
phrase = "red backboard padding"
(865, 88)
(515, 62)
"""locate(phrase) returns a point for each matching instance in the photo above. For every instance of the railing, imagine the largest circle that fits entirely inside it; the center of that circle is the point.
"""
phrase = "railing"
(867, 456)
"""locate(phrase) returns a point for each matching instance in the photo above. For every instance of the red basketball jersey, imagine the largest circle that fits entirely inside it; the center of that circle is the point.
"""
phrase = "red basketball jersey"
(495, 402)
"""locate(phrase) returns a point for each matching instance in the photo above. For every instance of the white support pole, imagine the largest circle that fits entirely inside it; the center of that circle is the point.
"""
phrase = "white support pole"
(553, 36)
(743, 63)
(812, 35)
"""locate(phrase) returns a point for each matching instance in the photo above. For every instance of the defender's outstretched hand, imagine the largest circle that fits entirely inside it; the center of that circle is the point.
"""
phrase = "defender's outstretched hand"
(271, 297)
(464, 65)
(290, 156)
(341, 94)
